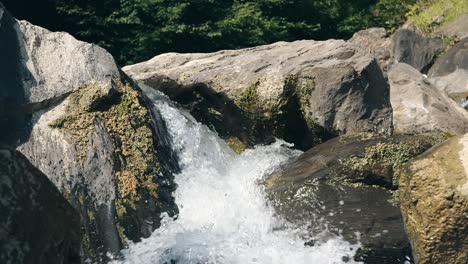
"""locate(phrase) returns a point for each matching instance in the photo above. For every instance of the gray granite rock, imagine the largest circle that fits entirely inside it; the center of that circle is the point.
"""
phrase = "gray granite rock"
(418, 106)
(300, 91)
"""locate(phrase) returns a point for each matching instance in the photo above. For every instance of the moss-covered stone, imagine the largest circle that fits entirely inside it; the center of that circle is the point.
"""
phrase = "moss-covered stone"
(127, 121)
(387, 157)
(235, 144)
(121, 113)
(434, 203)
(287, 118)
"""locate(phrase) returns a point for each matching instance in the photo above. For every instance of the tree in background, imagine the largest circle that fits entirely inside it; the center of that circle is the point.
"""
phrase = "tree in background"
(136, 30)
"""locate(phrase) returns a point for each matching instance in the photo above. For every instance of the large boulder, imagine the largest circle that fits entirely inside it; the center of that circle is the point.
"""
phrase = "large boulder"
(407, 45)
(345, 186)
(90, 129)
(454, 59)
(303, 91)
(420, 107)
(410, 46)
(434, 203)
(377, 43)
(450, 72)
(37, 225)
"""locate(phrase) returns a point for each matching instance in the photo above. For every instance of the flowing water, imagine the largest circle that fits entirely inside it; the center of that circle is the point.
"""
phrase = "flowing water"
(224, 216)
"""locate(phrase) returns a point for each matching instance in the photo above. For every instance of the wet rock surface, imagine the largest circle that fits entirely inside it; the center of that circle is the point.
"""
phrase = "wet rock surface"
(37, 224)
(344, 186)
(303, 91)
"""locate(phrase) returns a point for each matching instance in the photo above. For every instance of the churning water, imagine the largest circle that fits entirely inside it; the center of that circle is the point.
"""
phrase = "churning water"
(224, 216)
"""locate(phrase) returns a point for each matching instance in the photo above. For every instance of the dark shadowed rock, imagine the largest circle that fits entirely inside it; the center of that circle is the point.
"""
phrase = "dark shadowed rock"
(450, 72)
(37, 225)
(434, 203)
(407, 45)
(303, 91)
(419, 107)
(344, 186)
(411, 47)
(90, 129)
(454, 59)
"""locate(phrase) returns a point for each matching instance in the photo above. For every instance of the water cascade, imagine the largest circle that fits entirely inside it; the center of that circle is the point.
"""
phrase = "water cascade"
(224, 216)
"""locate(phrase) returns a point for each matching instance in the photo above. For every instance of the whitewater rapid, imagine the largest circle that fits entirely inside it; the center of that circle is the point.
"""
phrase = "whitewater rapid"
(223, 214)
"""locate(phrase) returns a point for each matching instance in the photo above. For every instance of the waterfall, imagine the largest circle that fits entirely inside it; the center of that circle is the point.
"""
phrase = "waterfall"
(223, 214)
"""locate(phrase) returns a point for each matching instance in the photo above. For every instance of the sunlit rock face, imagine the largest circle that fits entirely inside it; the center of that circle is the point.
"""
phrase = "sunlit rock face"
(418, 106)
(70, 110)
(302, 91)
(434, 203)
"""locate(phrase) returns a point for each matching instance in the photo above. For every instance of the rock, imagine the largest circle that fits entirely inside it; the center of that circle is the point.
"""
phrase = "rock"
(411, 47)
(337, 186)
(376, 42)
(457, 28)
(455, 58)
(407, 45)
(106, 161)
(450, 72)
(454, 84)
(303, 91)
(420, 107)
(90, 129)
(37, 224)
(434, 203)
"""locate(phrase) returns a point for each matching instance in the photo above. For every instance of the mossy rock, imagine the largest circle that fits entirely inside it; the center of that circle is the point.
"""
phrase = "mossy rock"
(346, 185)
(112, 127)
(434, 203)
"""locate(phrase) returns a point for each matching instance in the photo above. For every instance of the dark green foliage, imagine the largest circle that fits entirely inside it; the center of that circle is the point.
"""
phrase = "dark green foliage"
(136, 30)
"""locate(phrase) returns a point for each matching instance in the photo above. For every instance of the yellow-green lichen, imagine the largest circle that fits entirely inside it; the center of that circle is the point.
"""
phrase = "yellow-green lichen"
(236, 145)
(128, 123)
(91, 216)
(302, 87)
(248, 100)
(121, 233)
(459, 97)
(358, 136)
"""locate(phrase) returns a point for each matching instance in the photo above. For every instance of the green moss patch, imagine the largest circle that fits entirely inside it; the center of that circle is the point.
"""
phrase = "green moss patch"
(388, 156)
(128, 123)
(284, 118)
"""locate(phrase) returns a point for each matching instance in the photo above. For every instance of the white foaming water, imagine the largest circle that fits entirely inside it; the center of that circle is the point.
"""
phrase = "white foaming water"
(223, 214)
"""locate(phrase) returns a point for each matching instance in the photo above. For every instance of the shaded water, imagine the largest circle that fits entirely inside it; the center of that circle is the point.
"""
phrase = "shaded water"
(224, 216)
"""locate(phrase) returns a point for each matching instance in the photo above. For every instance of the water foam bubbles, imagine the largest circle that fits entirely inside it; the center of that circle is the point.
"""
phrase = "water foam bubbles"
(223, 214)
